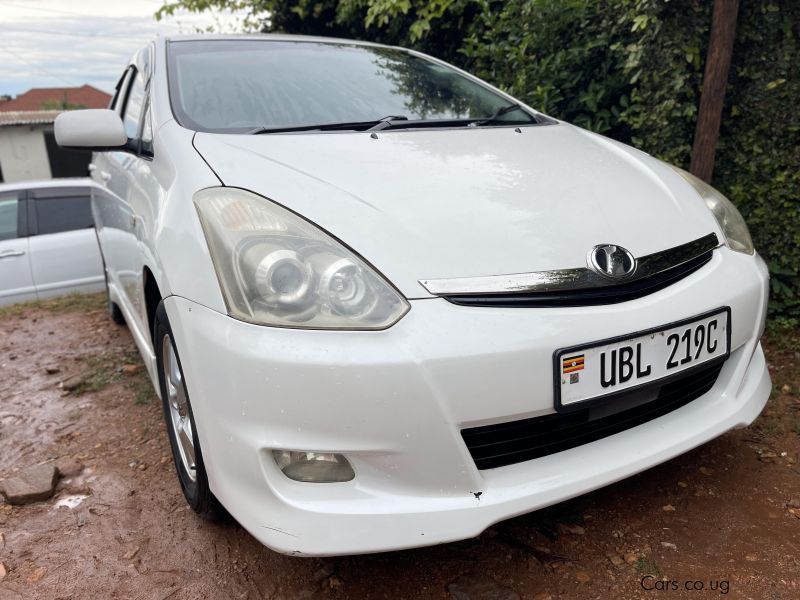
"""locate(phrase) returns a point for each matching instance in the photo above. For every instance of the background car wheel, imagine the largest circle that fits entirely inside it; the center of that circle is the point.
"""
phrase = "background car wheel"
(182, 432)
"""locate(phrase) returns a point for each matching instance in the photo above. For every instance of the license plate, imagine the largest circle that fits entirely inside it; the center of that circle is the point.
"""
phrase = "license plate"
(597, 371)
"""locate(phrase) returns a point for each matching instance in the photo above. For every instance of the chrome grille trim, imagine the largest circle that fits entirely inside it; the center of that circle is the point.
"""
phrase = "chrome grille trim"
(580, 278)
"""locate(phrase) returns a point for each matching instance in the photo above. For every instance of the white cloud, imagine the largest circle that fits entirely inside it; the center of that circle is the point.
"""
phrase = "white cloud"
(51, 43)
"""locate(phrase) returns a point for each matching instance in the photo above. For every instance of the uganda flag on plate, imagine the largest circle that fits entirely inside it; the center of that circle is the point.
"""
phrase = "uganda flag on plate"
(571, 364)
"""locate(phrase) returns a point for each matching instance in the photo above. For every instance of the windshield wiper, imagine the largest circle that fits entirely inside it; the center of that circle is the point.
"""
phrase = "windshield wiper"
(374, 125)
(396, 122)
(499, 113)
(387, 122)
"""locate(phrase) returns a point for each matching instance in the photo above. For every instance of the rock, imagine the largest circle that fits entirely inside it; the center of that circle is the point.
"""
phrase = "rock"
(793, 503)
(131, 369)
(767, 457)
(51, 369)
(668, 508)
(786, 388)
(582, 577)
(669, 545)
(36, 575)
(543, 596)
(131, 553)
(631, 557)
(333, 582)
(69, 467)
(73, 383)
(706, 471)
(573, 529)
(615, 559)
(472, 586)
(3, 571)
(33, 484)
(683, 484)
(751, 557)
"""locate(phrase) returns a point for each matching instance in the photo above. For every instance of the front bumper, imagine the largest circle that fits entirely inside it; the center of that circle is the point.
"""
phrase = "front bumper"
(394, 403)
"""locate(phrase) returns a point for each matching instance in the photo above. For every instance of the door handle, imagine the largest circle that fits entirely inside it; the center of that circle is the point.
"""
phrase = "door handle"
(92, 167)
(11, 253)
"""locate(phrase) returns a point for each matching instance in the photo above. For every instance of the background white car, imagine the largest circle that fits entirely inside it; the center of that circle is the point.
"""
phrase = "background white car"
(386, 305)
(48, 244)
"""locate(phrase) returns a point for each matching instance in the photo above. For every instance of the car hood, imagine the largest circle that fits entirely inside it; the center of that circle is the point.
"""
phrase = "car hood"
(467, 202)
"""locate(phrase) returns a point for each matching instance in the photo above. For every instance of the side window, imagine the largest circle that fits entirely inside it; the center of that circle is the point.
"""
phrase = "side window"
(119, 91)
(63, 213)
(9, 215)
(133, 108)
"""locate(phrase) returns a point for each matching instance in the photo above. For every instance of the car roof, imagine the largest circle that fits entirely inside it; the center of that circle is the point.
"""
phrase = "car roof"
(47, 183)
(272, 37)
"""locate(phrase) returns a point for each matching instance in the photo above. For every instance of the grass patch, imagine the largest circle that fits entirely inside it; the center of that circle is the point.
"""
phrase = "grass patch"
(648, 567)
(61, 304)
(142, 388)
(101, 370)
(783, 334)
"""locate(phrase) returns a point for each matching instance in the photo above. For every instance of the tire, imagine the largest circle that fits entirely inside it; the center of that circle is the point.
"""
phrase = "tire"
(115, 313)
(114, 310)
(180, 423)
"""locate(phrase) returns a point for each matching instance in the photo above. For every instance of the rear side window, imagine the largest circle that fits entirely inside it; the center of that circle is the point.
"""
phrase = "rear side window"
(65, 213)
(133, 108)
(9, 216)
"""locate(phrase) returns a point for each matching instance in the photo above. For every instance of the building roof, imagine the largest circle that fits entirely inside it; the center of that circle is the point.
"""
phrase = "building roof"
(85, 96)
(28, 117)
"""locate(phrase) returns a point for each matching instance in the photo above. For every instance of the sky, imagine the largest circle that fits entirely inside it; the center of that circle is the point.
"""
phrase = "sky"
(64, 43)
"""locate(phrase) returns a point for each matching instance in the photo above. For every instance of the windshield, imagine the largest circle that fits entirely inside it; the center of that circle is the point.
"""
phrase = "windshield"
(241, 85)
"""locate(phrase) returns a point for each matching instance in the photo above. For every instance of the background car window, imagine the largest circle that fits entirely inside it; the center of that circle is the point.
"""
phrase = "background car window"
(66, 213)
(9, 210)
(133, 108)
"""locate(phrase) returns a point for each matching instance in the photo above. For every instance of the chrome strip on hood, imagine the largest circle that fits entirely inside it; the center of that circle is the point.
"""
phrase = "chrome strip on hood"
(569, 279)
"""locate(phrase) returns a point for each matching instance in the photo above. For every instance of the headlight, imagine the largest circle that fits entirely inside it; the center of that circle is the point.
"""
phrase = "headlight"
(737, 236)
(276, 268)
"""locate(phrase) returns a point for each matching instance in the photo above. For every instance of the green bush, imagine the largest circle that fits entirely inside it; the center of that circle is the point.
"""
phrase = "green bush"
(629, 69)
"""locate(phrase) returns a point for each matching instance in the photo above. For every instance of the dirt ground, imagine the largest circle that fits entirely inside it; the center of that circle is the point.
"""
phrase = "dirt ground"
(724, 518)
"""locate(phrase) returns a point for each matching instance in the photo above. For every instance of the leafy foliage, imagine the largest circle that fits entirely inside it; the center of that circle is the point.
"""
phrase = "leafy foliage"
(629, 69)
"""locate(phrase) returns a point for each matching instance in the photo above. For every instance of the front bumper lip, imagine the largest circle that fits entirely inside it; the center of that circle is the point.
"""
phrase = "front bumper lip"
(394, 402)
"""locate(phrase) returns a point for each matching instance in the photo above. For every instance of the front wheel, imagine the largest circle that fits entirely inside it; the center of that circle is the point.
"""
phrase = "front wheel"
(181, 428)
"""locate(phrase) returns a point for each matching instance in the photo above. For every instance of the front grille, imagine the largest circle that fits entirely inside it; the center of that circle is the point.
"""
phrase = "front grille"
(590, 296)
(504, 444)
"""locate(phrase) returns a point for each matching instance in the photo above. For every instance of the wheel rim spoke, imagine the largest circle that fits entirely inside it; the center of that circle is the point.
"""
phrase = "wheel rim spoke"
(178, 403)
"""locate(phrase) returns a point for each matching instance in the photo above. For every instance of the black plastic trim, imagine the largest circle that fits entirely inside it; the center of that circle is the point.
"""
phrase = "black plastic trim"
(499, 445)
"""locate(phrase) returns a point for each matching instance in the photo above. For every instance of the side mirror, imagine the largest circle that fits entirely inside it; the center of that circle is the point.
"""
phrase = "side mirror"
(95, 129)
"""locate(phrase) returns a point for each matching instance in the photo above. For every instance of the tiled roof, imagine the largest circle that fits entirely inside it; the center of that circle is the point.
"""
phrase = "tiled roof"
(34, 99)
(28, 117)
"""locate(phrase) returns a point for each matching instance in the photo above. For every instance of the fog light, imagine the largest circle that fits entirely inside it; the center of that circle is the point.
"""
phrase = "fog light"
(314, 467)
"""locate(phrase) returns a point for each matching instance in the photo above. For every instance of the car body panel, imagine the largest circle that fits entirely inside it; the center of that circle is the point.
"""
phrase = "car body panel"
(416, 205)
(467, 202)
(15, 271)
(52, 264)
(66, 262)
(394, 403)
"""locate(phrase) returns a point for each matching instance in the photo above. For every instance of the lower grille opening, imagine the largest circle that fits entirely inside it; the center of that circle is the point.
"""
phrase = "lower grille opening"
(493, 446)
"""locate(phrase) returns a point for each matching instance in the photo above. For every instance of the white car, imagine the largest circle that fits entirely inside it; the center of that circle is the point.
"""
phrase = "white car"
(48, 245)
(387, 305)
